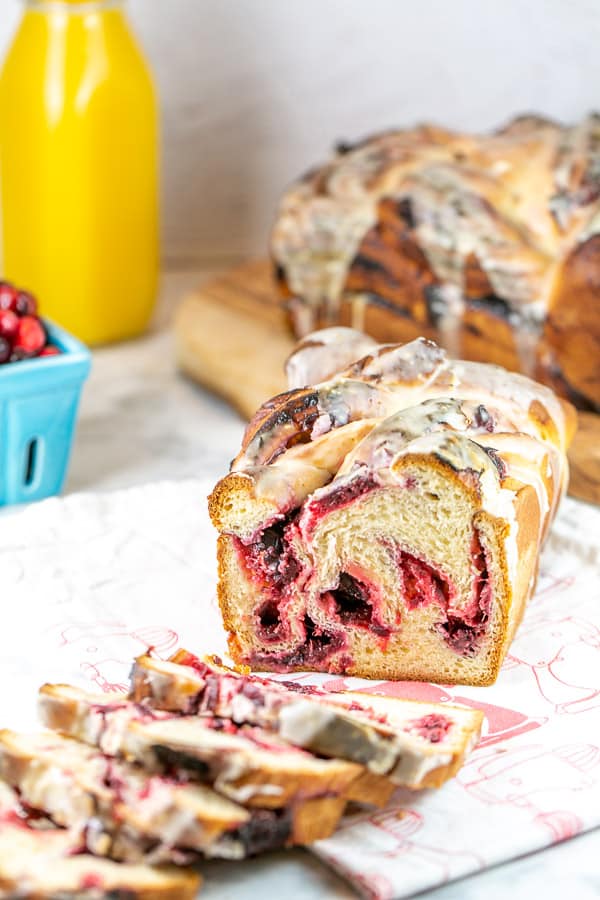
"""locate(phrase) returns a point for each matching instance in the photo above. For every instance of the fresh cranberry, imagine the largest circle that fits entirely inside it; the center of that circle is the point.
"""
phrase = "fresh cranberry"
(8, 295)
(25, 304)
(31, 336)
(9, 324)
(18, 354)
(50, 350)
(5, 350)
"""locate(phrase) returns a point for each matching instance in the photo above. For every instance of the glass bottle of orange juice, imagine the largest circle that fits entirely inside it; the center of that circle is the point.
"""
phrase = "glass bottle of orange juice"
(78, 168)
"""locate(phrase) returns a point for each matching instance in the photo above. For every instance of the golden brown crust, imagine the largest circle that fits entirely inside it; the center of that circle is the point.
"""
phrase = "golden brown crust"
(544, 421)
(572, 331)
(316, 819)
(299, 785)
(224, 593)
(295, 410)
(231, 491)
(371, 788)
(57, 714)
(527, 512)
(380, 671)
(175, 697)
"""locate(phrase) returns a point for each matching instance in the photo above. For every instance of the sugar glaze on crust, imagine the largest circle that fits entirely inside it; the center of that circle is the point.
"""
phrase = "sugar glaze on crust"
(387, 522)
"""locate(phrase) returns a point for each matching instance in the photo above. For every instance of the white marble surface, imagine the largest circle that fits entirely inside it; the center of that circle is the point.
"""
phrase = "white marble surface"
(140, 422)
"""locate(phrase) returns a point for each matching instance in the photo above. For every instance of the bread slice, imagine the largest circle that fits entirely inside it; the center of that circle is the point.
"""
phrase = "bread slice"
(251, 767)
(136, 814)
(41, 862)
(387, 523)
(413, 744)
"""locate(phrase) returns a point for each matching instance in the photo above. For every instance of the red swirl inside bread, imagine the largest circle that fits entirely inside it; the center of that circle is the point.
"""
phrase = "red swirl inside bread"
(356, 601)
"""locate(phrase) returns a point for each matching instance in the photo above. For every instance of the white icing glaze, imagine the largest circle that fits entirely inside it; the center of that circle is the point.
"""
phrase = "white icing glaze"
(418, 362)
(332, 227)
(508, 389)
(389, 438)
(244, 792)
(302, 721)
(404, 757)
(450, 318)
(325, 353)
(527, 458)
(396, 379)
(411, 769)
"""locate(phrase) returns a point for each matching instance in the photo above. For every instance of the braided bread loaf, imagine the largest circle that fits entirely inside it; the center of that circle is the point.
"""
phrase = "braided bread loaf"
(387, 522)
(489, 245)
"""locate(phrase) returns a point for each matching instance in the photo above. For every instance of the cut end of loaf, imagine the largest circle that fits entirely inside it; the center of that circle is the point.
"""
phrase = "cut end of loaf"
(386, 598)
(387, 523)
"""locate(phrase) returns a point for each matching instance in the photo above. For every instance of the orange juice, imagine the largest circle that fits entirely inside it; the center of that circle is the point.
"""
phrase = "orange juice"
(78, 168)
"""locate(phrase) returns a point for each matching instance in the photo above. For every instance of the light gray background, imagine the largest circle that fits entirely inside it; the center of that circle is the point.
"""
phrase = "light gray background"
(254, 91)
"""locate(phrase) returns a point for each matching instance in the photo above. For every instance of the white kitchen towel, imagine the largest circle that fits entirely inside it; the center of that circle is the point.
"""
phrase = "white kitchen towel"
(89, 582)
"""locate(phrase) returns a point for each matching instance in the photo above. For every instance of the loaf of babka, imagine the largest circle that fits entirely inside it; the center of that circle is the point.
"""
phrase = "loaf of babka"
(387, 521)
(488, 244)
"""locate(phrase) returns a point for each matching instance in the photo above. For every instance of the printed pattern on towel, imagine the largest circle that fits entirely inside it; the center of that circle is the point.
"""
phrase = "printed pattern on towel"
(95, 580)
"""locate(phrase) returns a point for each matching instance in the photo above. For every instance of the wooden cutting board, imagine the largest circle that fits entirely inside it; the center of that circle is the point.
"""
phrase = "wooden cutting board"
(231, 336)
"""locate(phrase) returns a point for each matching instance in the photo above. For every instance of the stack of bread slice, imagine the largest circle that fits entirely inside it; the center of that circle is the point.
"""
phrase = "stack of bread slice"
(406, 743)
(39, 860)
(201, 761)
